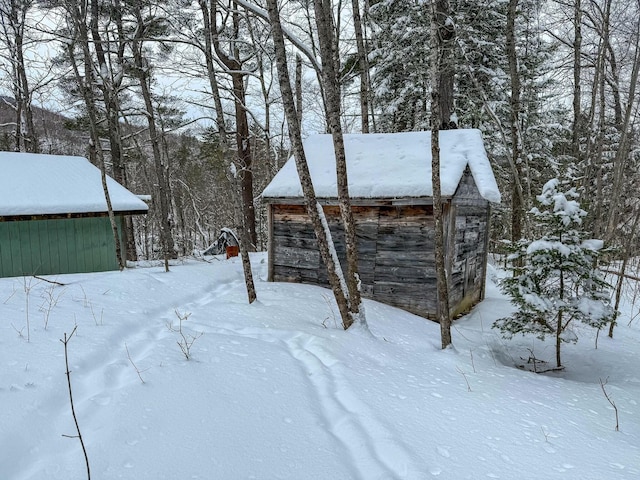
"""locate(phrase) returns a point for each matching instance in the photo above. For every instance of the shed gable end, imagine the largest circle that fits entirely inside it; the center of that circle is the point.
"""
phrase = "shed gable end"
(467, 192)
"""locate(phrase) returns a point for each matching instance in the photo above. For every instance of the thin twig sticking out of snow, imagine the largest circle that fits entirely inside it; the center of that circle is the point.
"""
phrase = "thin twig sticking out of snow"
(135, 367)
(606, 395)
(73, 410)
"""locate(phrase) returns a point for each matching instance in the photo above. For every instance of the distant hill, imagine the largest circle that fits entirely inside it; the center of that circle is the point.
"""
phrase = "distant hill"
(53, 135)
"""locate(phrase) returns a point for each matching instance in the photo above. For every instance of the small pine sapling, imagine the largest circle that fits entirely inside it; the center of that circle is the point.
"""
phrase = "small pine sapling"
(555, 279)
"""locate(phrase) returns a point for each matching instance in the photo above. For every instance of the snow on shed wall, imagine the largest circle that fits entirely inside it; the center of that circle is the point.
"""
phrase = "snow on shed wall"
(33, 184)
(390, 165)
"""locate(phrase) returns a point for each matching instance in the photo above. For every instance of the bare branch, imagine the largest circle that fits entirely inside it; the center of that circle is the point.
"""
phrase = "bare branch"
(606, 395)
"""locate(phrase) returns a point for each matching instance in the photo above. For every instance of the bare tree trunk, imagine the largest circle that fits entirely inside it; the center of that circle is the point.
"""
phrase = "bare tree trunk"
(328, 52)
(442, 35)
(245, 162)
(299, 89)
(314, 210)
(559, 326)
(13, 18)
(592, 182)
(234, 65)
(269, 168)
(161, 171)
(622, 153)
(517, 195)
(110, 103)
(208, 17)
(363, 66)
(367, 49)
(577, 53)
(626, 253)
(86, 83)
(248, 275)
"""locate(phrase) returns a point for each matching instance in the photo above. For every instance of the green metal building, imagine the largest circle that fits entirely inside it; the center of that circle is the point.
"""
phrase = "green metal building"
(53, 215)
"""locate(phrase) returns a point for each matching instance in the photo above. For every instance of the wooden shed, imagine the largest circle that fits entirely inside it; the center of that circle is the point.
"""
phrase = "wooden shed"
(391, 193)
(53, 215)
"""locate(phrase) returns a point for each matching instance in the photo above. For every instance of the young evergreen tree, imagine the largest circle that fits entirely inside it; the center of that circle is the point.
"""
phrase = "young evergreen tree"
(399, 59)
(558, 283)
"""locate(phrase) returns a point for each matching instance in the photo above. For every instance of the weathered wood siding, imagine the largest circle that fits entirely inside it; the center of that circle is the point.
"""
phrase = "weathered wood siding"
(405, 262)
(395, 246)
(72, 245)
(396, 249)
(468, 263)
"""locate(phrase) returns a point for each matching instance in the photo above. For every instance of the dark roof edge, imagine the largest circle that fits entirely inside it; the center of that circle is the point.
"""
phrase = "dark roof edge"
(356, 201)
(58, 216)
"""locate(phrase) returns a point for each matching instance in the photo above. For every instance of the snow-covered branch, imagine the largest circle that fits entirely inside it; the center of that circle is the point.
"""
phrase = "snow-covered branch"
(299, 44)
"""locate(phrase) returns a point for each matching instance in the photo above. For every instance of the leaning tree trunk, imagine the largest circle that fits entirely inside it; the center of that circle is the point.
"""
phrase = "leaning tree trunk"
(86, 83)
(442, 35)
(110, 102)
(328, 51)
(622, 155)
(314, 209)
(110, 70)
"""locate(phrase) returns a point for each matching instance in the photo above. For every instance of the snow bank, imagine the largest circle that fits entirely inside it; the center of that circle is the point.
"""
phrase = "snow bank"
(276, 389)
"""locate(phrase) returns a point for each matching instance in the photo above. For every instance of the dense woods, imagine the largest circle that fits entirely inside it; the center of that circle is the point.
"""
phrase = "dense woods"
(180, 99)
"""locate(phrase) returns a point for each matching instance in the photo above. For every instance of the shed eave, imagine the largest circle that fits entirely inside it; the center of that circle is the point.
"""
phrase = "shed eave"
(358, 201)
(54, 216)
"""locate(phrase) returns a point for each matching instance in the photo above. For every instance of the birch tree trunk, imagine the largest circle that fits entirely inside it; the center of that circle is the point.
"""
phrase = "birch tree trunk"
(314, 209)
(299, 90)
(86, 82)
(328, 53)
(109, 89)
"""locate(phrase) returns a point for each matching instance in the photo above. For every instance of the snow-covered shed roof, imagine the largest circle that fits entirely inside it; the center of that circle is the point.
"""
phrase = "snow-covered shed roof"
(390, 165)
(33, 184)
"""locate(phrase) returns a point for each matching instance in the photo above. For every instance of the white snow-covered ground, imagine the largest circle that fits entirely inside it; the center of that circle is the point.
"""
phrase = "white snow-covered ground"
(276, 390)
